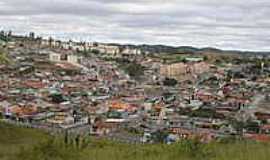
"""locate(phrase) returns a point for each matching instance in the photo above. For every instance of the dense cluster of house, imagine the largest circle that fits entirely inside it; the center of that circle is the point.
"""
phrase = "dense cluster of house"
(51, 85)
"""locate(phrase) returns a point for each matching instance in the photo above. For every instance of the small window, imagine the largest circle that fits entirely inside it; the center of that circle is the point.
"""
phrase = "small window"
(64, 57)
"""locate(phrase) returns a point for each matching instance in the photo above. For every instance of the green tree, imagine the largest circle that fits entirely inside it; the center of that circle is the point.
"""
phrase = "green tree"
(170, 82)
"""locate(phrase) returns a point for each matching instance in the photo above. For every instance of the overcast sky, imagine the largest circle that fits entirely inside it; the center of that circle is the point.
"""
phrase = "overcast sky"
(226, 24)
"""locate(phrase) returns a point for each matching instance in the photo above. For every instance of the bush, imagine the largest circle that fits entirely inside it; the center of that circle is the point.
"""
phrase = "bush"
(133, 69)
(170, 82)
(95, 51)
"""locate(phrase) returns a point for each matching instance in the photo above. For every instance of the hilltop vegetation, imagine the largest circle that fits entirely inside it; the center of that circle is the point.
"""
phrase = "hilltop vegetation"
(28, 144)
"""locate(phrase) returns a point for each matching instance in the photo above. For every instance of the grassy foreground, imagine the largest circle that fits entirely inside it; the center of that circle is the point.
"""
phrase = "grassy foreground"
(28, 144)
(3, 58)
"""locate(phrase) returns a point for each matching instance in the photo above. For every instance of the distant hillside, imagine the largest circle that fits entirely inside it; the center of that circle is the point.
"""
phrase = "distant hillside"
(158, 49)
(186, 49)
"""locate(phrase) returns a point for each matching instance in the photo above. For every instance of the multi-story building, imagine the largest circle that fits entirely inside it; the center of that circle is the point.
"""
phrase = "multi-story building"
(70, 58)
(129, 51)
(179, 70)
(106, 49)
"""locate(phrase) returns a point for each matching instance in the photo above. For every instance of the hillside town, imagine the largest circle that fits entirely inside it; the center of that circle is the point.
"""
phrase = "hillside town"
(132, 94)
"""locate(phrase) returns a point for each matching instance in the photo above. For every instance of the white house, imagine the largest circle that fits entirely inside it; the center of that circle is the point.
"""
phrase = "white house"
(129, 51)
(113, 50)
(72, 59)
(55, 57)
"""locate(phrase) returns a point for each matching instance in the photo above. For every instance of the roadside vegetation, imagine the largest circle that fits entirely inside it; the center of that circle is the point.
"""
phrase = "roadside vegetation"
(29, 144)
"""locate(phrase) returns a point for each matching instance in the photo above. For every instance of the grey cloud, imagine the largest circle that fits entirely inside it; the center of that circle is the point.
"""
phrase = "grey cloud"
(230, 24)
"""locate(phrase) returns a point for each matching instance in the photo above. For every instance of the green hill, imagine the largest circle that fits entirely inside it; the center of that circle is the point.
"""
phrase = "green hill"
(28, 144)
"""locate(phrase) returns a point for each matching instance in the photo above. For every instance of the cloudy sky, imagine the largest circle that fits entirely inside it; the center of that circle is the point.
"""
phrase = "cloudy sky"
(228, 24)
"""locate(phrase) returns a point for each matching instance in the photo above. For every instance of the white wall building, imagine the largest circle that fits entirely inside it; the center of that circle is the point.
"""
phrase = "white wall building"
(129, 51)
(55, 57)
(72, 59)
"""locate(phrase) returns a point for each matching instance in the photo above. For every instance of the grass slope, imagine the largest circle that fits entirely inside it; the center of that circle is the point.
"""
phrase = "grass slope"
(3, 58)
(12, 139)
(27, 144)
